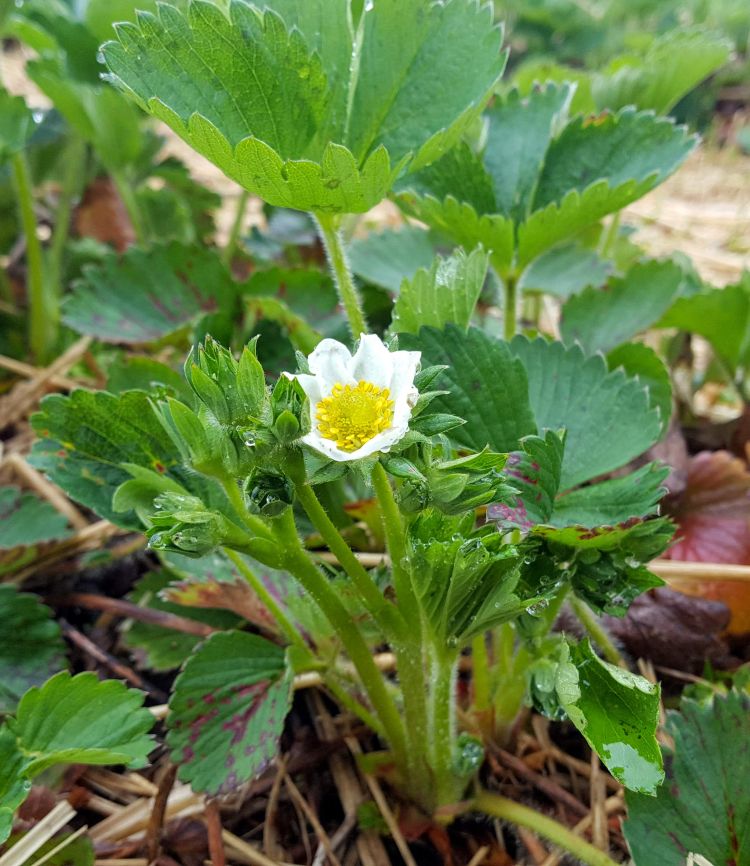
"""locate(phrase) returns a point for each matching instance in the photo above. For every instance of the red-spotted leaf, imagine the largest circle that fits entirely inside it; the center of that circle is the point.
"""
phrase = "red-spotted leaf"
(227, 711)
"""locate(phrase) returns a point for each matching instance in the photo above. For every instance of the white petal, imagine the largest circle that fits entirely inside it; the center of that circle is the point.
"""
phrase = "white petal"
(332, 361)
(405, 366)
(372, 361)
(311, 386)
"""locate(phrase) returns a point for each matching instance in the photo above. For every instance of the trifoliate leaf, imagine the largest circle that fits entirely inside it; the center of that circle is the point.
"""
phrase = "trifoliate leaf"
(673, 65)
(607, 417)
(25, 520)
(31, 645)
(227, 711)
(637, 359)
(564, 271)
(601, 319)
(307, 117)
(722, 316)
(486, 386)
(146, 295)
(389, 257)
(445, 295)
(704, 806)
(82, 720)
(617, 712)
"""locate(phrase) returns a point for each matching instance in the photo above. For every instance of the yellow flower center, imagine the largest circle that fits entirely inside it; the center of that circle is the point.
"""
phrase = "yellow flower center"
(353, 414)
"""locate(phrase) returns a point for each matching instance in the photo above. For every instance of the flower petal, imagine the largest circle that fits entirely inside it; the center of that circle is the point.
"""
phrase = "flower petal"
(405, 366)
(372, 361)
(332, 361)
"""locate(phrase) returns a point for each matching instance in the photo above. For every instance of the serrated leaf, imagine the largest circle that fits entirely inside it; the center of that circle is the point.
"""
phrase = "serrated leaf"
(31, 645)
(704, 806)
(518, 137)
(722, 316)
(617, 712)
(227, 711)
(389, 257)
(164, 649)
(25, 520)
(607, 417)
(82, 720)
(146, 295)
(637, 359)
(601, 319)
(610, 585)
(14, 786)
(485, 385)
(306, 117)
(447, 294)
(674, 64)
(655, 534)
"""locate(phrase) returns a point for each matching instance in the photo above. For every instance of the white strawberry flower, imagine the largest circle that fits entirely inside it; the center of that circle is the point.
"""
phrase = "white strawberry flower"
(359, 404)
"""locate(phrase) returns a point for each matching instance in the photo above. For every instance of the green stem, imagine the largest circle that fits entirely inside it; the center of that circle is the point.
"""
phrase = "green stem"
(273, 607)
(298, 562)
(348, 294)
(230, 249)
(383, 612)
(43, 310)
(73, 165)
(255, 524)
(353, 705)
(554, 831)
(125, 191)
(396, 541)
(597, 632)
(511, 302)
(480, 672)
(442, 732)
(609, 239)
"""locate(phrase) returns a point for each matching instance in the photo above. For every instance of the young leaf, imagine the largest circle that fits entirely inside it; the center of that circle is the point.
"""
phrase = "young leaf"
(704, 806)
(143, 296)
(82, 720)
(486, 386)
(26, 519)
(31, 645)
(617, 712)
(600, 320)
(227, 711)
(607, 417)
(389, 257)
(445, 295)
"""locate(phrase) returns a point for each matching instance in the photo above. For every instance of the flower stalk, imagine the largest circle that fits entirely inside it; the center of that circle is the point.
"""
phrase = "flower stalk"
(348, 295)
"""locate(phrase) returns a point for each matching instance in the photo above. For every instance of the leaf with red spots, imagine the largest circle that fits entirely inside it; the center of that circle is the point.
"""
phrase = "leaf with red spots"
(227, 711)
(704, 805)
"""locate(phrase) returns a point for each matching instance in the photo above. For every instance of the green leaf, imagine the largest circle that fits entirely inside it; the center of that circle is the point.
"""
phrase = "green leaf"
(389, 257)
(564, 271)
(722, 316)
(82, 720)
(25, 519)
(146, 295)
(89, 434)
(518, 136)
(637, 359)
(704, 806)
(141, 373)
(614, 501)
(31, 645)
(610, 585)
(306, 117)
(617, 712)
(14, 785)
(601, 319)
(486, 386)
(165, 649)
(445, 295)
(227, 711)
(16, 125)
(673, 65)
(607, 417)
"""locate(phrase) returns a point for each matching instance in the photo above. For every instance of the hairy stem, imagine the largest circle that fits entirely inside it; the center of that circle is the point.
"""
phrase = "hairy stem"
(230, 250)
(73, 170)
(597, 632)
(510, 312)
(348, 294)
(298, 562)
(256, 525)
(554, 831)
(442, 728)
(480, 672)
(43, 318)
